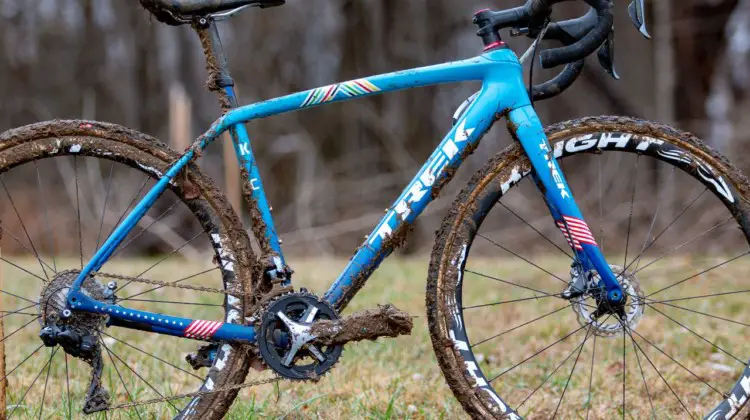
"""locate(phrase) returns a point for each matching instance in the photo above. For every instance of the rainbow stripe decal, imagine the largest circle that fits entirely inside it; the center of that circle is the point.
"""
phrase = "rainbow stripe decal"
(349, 89)
(202, 330)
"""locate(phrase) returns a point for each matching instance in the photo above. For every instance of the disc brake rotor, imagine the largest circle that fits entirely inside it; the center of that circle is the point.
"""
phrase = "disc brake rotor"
(609, 325)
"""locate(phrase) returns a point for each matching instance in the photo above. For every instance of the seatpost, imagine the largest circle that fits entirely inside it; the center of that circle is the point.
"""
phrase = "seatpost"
(219, 78)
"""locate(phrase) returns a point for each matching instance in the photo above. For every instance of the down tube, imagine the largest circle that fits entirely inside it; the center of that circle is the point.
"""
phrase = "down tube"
(463, 138)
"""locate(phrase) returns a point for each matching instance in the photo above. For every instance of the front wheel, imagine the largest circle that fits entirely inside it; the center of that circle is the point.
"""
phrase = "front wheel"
(670, 215)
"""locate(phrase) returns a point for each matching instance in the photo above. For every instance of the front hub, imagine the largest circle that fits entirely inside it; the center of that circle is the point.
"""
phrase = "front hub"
(607, 320)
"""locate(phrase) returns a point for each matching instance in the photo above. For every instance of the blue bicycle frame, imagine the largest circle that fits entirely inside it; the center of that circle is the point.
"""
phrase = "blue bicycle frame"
(503, 94)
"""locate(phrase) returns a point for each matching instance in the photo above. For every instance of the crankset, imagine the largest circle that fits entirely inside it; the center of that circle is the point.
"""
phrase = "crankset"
(301, 336)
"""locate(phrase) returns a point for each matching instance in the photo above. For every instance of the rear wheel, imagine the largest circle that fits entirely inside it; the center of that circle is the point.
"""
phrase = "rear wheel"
(65, 186)
(671, 217)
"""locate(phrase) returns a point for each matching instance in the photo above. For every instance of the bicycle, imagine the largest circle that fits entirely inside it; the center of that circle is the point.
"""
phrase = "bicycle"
(257, 315)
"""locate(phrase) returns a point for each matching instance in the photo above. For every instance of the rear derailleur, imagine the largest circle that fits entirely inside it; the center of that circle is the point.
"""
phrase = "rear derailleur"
(77, 333)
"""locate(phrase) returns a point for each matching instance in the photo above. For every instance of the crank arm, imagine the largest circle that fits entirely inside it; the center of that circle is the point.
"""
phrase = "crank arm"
(370, 324)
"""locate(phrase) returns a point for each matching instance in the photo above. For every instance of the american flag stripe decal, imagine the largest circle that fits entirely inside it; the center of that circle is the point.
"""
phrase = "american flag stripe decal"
(576, 232)
(202, 329)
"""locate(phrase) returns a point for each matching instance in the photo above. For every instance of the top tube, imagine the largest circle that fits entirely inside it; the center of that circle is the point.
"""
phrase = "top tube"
(472, 69)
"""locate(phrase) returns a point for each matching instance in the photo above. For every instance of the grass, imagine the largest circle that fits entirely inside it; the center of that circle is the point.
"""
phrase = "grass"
(400, 378)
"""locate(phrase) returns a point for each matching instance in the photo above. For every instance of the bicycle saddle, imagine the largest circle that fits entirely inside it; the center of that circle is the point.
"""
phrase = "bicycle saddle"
(168, 11)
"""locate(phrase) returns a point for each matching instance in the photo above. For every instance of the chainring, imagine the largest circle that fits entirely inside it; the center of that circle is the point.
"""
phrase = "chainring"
(285, 346)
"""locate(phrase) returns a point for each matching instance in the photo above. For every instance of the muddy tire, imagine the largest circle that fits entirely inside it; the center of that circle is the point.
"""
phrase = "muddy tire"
(199, 198)
(478, 376)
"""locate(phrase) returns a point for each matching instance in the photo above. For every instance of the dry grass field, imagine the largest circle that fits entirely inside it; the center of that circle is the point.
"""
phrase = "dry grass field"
(400, 378)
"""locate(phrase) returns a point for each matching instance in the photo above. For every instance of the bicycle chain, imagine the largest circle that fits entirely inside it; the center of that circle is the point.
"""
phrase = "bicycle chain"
(194, 394)
(190, 394)
(164, 283)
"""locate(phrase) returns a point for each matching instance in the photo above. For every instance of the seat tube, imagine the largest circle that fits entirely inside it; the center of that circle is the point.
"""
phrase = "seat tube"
(221, 82)
(552, 183)
(253, 184)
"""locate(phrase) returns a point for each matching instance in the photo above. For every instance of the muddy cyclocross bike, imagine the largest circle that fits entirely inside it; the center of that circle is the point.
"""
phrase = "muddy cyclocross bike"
(654, 328)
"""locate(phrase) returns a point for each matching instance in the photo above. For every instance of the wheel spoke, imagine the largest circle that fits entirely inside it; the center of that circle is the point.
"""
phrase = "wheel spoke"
(630, 215)
(651, 227)
(698, 274)
(136, 236)
(624, 369)
(48, 226)
(153, 356)
(78, 209)
(703, 313)
(669, 226)
(4, 378)
(122, 381)
(643, 376)
(679, 364)
(132, 201)
(19, 403)
(171, 284)
(684, 407)
(519, 256)
(113, 354)
(698, 335)
(507, 282)
(540, 352)
(46, 381)
(546, 378)
(545, 237)
(509, 301)
(591, 378)
(672, 251)
(575, 363)
(104, 207)
(19, 297)
(19, 329)
(699, 297)
(518, 326)
(23, 226)
(19, 312)
(67, 387)
(166, 257)
(18, 241)
(23, 269)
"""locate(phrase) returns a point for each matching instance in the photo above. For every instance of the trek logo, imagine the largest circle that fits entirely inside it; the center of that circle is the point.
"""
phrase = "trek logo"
(544, 146)
(244, 151)
(423, 183)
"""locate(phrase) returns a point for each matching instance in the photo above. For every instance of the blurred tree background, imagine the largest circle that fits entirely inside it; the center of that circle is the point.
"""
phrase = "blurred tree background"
(329, 172)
